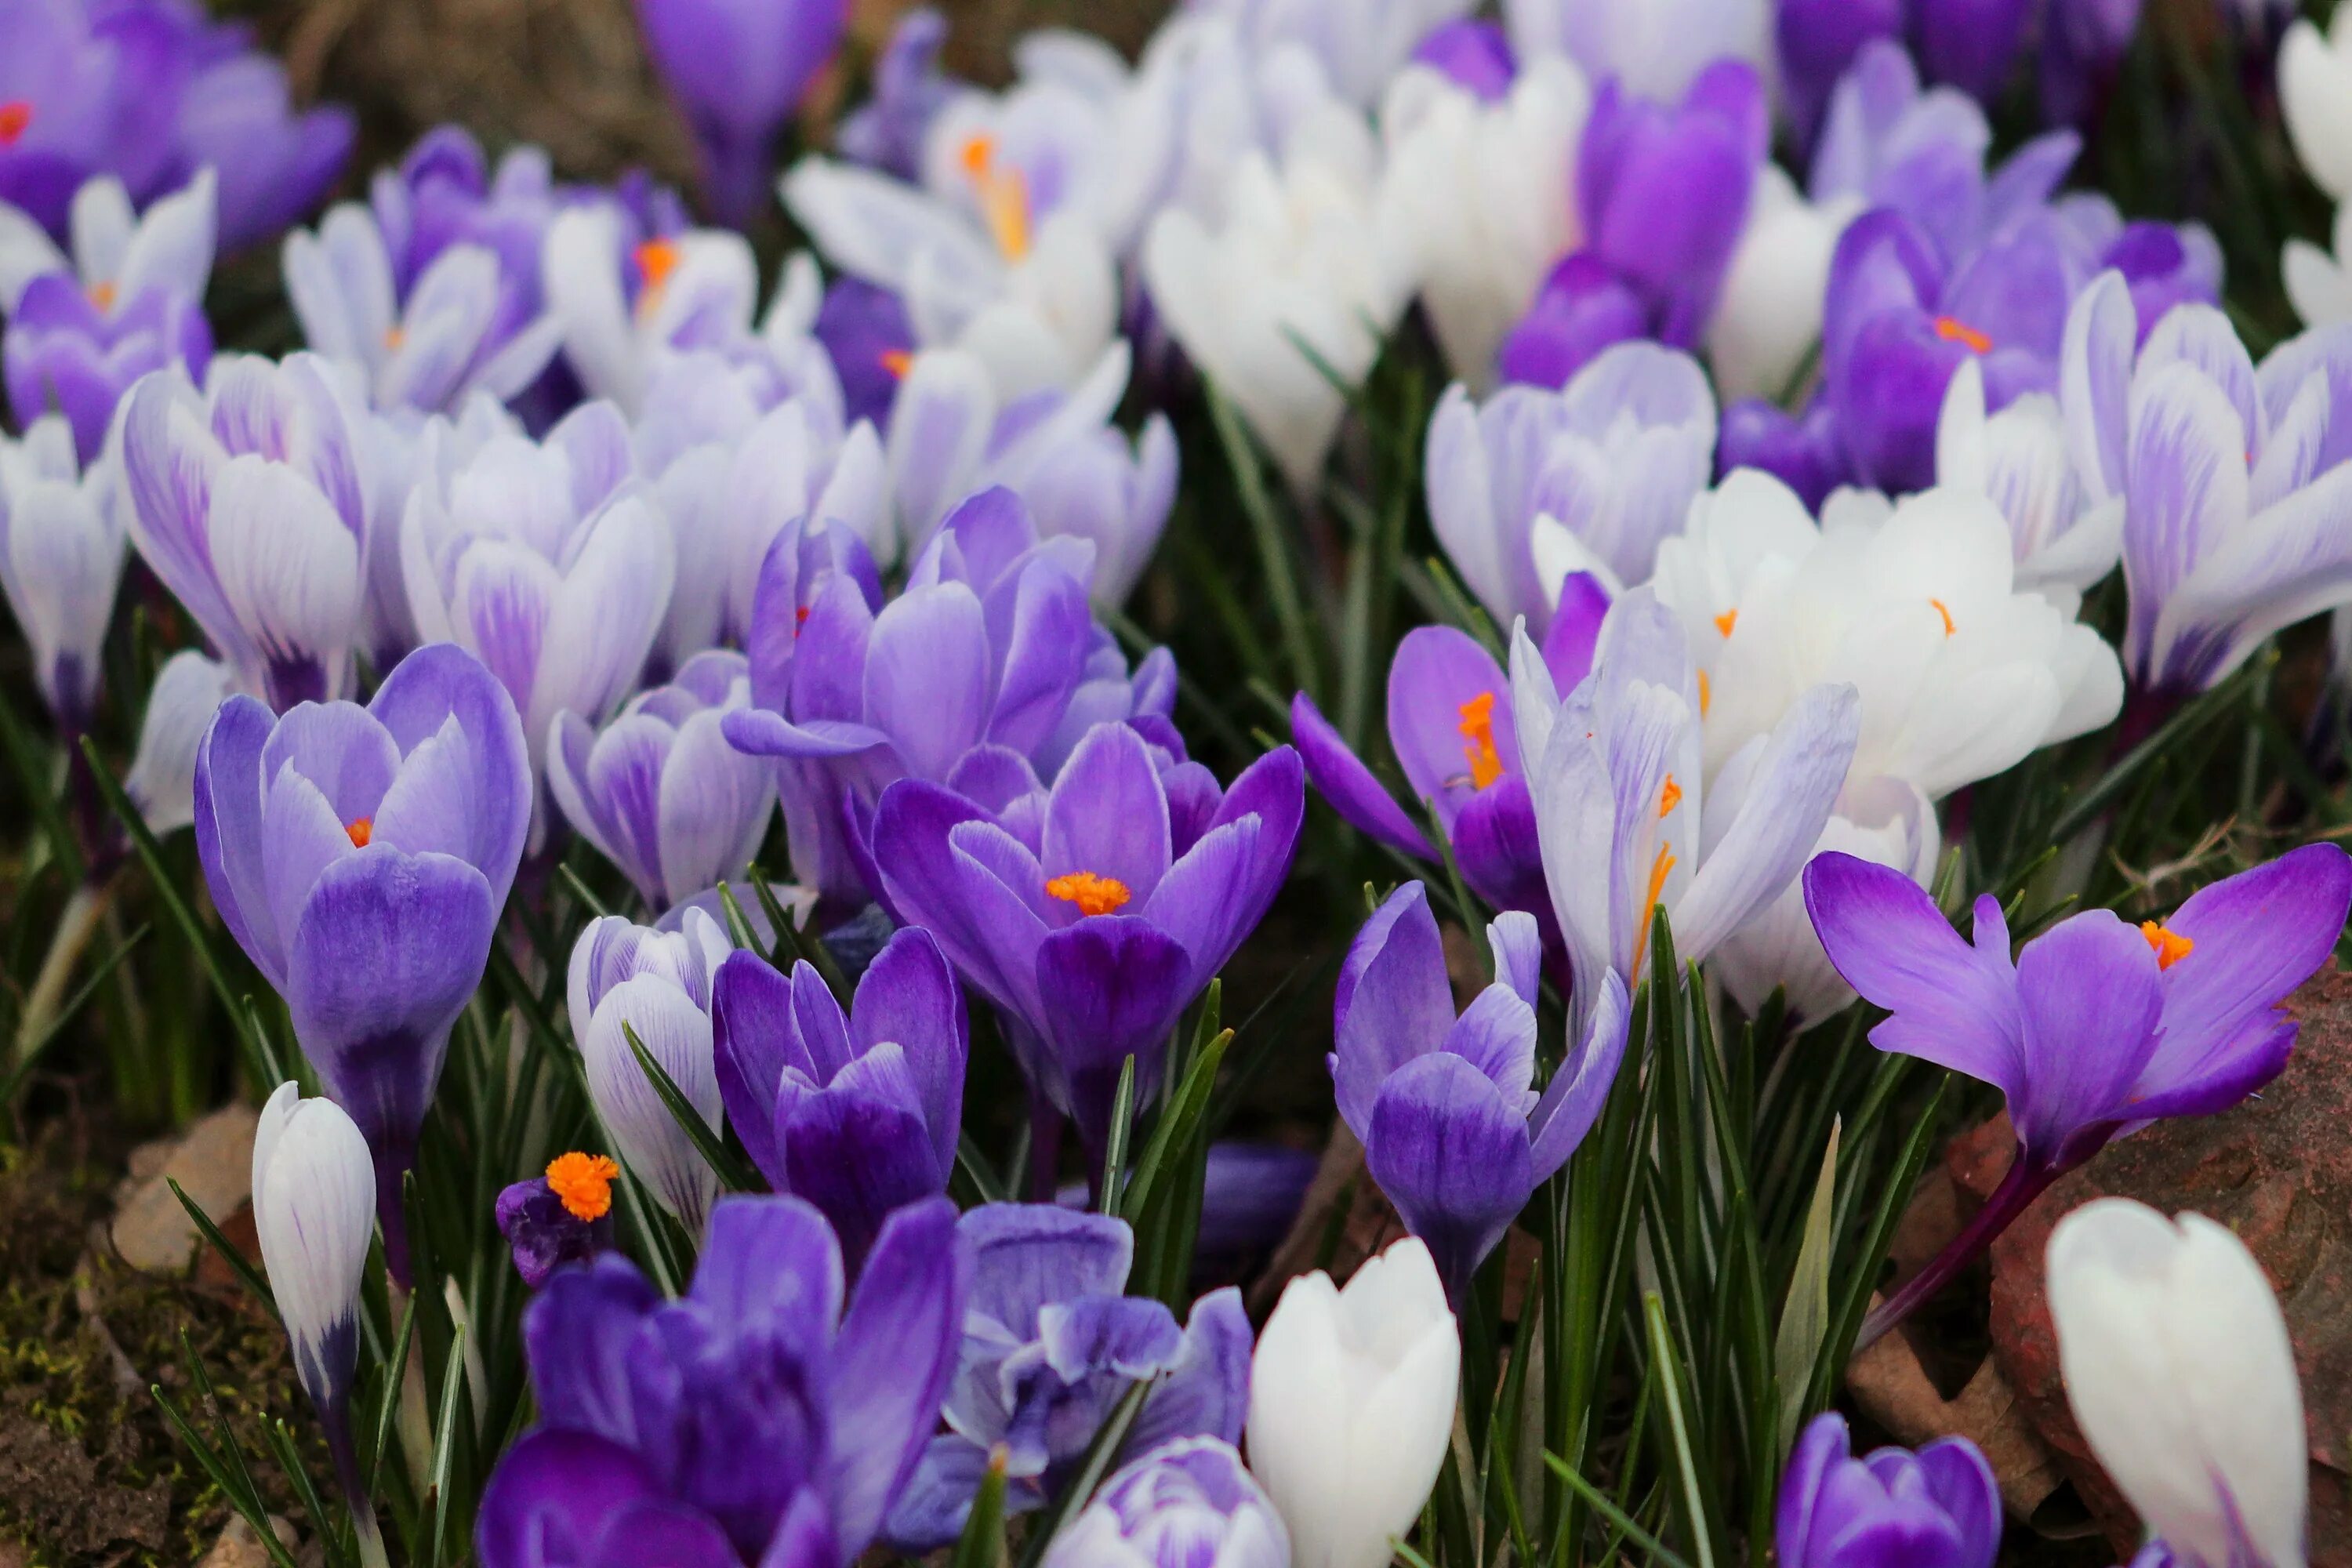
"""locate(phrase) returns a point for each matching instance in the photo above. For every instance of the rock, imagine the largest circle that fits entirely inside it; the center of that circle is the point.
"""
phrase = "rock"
(239, 1547)
(213, 1162)
(2278, 1171)
(1888, 1381)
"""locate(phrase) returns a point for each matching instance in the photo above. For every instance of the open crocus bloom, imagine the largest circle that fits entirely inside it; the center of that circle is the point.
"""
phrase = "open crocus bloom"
(2020, 461)
(622, 309)
(2098, 1027)
(1453, 1128)
(1098, 924)
(1187, 1496)
(118, 255)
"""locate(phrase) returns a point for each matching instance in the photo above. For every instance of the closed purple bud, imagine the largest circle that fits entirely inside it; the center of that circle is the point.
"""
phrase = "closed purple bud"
(1938, 1508)
(738, 68)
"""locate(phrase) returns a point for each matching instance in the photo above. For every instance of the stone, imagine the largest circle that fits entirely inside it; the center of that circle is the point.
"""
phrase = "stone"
(213, 1162)
(240, 1547)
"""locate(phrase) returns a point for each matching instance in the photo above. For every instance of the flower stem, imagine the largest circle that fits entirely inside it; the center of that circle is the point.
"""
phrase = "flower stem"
(2025, 1183)
(76, 924)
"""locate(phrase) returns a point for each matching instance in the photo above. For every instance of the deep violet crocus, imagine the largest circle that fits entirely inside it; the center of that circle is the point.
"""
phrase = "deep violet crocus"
(360, 856)
(856, 1112)
(1453, 1127)
(751, 1420)
(1449, 722)
(1051, 1345)
(738, 68)
(1938, 1508)
(2098, 1027)
(1092, 914)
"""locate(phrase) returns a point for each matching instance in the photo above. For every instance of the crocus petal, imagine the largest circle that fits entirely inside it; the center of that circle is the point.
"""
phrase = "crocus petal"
(2088, 1004)
(549, 1498)
(1345, 782)
(1394, 1001)
(1111, 987)
(1452, 1156)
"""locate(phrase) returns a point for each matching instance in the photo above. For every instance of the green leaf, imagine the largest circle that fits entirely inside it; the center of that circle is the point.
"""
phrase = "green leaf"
(395, 1371)
(1273, 545)
(1179, 1117)
(1598, 1500)
(29, 1052)
(983, 1542)
(1805, 1315)
(1122, 1127)
(229, 1253)
(733, 1174)
(1662, 1364)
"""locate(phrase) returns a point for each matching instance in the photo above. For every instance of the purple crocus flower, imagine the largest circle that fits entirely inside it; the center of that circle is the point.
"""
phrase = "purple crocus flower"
(2083, 44)
(360, 856)
(751, 1420)
(738, 68)
(865, 328)
(1971, 43)
(2233, 479)
(1582, 307)
(1938, 1508)
(1189, 1503)
(888, 131)
(1474, 54)
(1449, 724)
(1816, 41)
(66, 355)
(1452, 1126)
(2097, 1028)
(274, 161)
(856, 1112)
(1804, 451)
(562, 1216)
(658, 791)
(1092, 914)
(248, 501)
(1050, 1346)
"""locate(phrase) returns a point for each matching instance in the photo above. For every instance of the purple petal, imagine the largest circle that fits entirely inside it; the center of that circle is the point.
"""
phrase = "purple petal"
(1112, 987)
(1108, 814)
(552, 1497)
(858, 1148)
(751, 1018)
(1361, 800)
(927, 676)
(2089, 1004)
(908, 997)
(581, 1333)
(1452, 1157)
(229, 831)
(1204, 1392)
(1393, 1001)
(1439, 683)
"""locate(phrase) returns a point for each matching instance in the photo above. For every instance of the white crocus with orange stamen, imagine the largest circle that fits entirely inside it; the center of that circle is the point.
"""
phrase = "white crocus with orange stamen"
(1622, 798)
(118, 254)
(623, 312)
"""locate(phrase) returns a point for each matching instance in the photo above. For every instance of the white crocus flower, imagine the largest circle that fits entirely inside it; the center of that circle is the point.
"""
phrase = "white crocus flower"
(118, 254)
(2182, 1378)
(696, 290)
(314, 1210)
(2319, 282)
(162, 783)
(1769, 316)
(62, 536)
(1359, 44)
(2019, 460)
(1655, 46)
(2314, 85)
(1351, 1405)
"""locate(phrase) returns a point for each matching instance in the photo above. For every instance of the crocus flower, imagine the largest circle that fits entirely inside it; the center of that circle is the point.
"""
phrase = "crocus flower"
(2315, 77)
(1050, 1346)
(61, 558)
(360, 856)
(2182, 1379)
(1449, 724)
(2232, 479)
(76, 349)
(81, 100)
(1768, 319)
(1804, 451)
(161, 782)
(314, 1199)
(1094, 934)
(1815, 42)
(428, 346)
(444, 192)
(751, 1420)
(118, 253)
(2319, 282)
(249, 501)
(2097, 1028)
(1478, 192)
(1656, 50)
(626, 302)
(863, 326)
(1533, 486)
(888, 131)
(1472, 55)
(856, 1112)
(1351, 1405)
(2020, 460)
(563, 1215)
(738, 68)
(1446, 1108)
(658, 791)
(1617, 771)
(1189, 1503)
(1581, 309)
(546, 561)
(275, 162)
(627, 979)
(1938, 1508)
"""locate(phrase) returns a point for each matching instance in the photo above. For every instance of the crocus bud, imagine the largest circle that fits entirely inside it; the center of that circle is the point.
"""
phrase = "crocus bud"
(1186, 1504)
(314, 1208)
(2182, 1378)
(1351, 1405)
(1938, 1507)
(162, 783)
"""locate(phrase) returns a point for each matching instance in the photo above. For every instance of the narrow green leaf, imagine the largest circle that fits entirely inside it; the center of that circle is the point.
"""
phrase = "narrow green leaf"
(1122, 1127)
(1805, 1315)
(30, 1053)
(1599, 1501)
(445, 1435)
(1664, 1361)
(983, 1542)
(395, 1371)
(581, 891)
(1182, 1115)
(738, 928)
(229, 1253)
(1274, 546)
(733, 1174)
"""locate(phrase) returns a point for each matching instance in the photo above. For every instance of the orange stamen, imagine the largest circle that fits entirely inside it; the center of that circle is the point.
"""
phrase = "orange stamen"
(103, 295)
(361, 829)
(1726, 621)
(584, 1183)
(1946, 614)
(1663, 863)
(1953, 331)
(1669, 798)
(1704, 694)
(1477, 730)
(1004, 192)
(394, 337)
(656, 259)
(897, 362)
(2171, 946)
(1094, 895)
(15, 116)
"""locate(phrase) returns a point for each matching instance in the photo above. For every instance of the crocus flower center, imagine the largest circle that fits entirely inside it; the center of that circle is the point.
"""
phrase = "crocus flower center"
(1706, 693)
(15, 116)
(1478, 731)
(360, 829)
(1094, 895)
(2171, 946)
(656, 259)
(103, 295)
(1726, 621)
(1659, 867)
(394, 337)
(584, 1183)
(1004, 192)
(1669, 798)
(1953, 330)
(1944, 611)
(897, 362)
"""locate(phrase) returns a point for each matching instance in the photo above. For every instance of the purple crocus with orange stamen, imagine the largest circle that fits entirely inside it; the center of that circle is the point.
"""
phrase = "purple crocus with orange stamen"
(2098, 1027)
(1092, 914)
(361, 855)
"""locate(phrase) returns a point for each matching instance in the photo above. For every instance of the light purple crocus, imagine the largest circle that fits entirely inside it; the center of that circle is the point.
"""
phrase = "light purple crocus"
(64, 355)
(751, 1420)
(658, 791)
(62, 538)
(1091, 914)
(2098, 1027)
(360, 856)
(1050, 1346)
(275, 162)
(1472, 54)
(1189, 1503)
(1453, 1128)
(888, 131)
(857, 1113)
(250, 500)
(444, 193)
(738, 68)
(79, 98)
(1450, 726)
(1937, 1508)
(2233, 479)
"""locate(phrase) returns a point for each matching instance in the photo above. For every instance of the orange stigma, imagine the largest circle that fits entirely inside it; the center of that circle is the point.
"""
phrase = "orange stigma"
(897, 362)
(1957, 331)
(101, 295)
(361, 829)
(1726, 621)
(1669, 798)
(15, 116)
(1946, 614)
(394, 337)
(1094, 895)
(584, 1183)
(1478, 730)
(1663, 864)
(2171, 946)
(656, 259)
(1706, 694)
(1004, 192)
